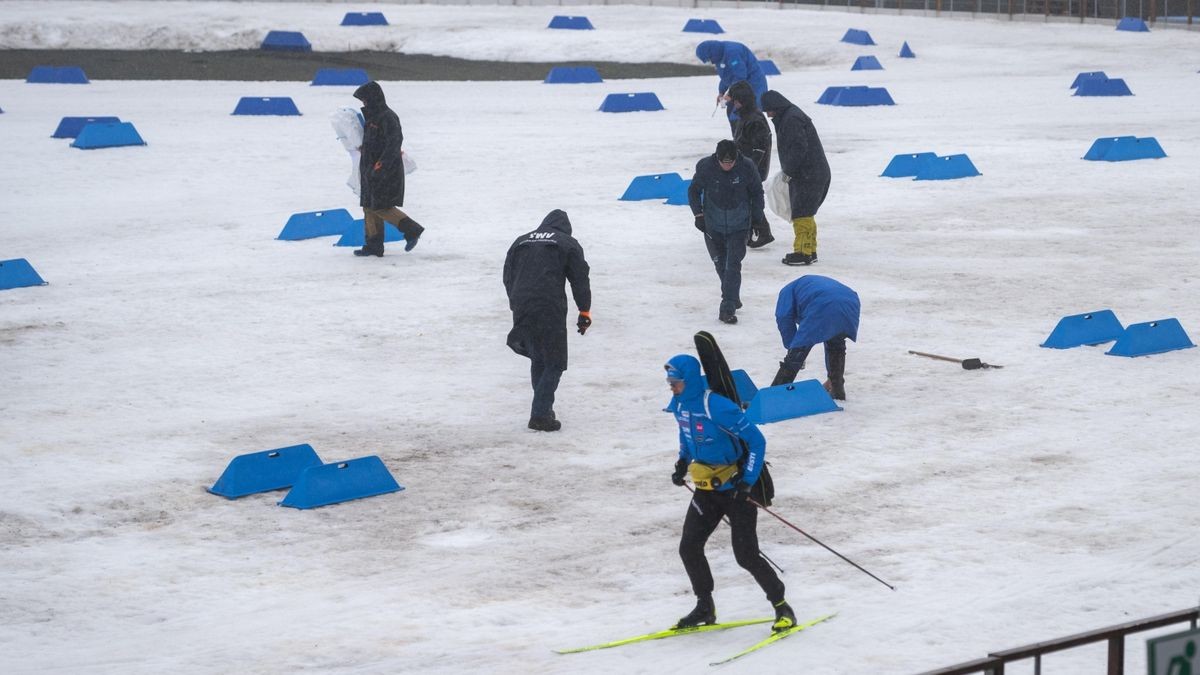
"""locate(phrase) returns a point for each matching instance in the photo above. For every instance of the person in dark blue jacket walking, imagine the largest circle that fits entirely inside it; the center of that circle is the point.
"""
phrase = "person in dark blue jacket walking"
(734, 61)
(815, 309)
(726, 197)
(723, 452)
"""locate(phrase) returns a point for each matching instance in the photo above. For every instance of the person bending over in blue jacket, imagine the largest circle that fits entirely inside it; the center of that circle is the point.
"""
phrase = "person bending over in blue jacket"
(723, 452)
(815, 309)
(734, 61)
(726, 198)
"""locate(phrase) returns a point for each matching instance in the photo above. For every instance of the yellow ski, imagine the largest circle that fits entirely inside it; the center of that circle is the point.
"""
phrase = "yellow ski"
(670, 632)
(775, 637)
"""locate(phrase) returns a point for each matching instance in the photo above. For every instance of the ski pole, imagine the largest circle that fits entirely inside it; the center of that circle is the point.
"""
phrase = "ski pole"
(860, 568)
(726, 519)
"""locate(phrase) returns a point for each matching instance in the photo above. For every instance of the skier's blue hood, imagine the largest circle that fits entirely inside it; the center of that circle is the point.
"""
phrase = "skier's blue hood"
(687, 368)
(710, 51)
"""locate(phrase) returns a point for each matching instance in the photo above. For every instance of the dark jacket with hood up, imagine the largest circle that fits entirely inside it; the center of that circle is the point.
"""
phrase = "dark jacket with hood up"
(801, 156)
(381, 169)
(751, 131)
(732, 200)
(536, 269)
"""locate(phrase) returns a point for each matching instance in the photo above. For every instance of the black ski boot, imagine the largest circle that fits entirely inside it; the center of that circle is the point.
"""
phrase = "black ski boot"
(835, 362)
(372, 246)
(786, 373)
(412, 232)
(799, 259)
(728, 318)
(705, 613)
(785, 618)
(544, 423)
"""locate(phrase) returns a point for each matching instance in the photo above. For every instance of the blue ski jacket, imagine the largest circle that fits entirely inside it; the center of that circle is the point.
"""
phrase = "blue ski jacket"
(814, 309)
(734, 61)
(710, 425)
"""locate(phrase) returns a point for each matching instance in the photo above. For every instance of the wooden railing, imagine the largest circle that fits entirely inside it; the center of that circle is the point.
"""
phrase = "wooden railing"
(993, 664)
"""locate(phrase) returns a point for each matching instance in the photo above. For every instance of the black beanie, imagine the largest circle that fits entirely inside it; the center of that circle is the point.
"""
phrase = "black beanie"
(727, 150)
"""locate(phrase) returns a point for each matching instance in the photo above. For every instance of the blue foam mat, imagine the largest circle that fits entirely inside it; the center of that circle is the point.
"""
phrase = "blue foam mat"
(266, 105)
(947, 168)
(107, 135)
(336, 77)
(1151, 337)
(745, 386)
(768, 67)
(907, 166)
(573, 75)
(857, 37)
(619, 103)
(571, 23)
(317, 224)
(339, 482)
(286, 41)
(788, 401)
(69, 127)
(702, 26)
(866, 63)
(364, 19)
(1089, 328)
(18, 273)
(653, 186)
(57, 75)
(355, 236)
(264, 471)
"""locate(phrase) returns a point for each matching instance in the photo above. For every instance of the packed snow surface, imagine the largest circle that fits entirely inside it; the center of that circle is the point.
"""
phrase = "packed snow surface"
(1009, 506)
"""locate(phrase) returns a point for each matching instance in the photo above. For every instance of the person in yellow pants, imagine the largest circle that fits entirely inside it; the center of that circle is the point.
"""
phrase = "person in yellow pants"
(805, 170)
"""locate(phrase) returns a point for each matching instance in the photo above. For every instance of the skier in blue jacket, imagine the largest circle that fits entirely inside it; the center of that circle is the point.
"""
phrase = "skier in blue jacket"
(723, 452)
(815, 309)
(734, 61)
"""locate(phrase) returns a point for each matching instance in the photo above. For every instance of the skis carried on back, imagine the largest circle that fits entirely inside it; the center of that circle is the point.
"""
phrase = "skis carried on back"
(775, 637)
(716, 369)
(670, 632)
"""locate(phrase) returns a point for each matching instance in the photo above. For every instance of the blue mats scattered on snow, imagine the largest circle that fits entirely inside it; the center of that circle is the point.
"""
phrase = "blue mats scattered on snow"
(266, 105)
(1084, 77)
(1124, 148)
(313, 224)
(326, 77)
(1089, 328)
(107, 135)
(866, 63)
(907, 166)
(69, 127)
(679, 196)
(339, 482)
(654, 186)
(702, 26)
(787, 401)
(18, 273)
(1105, 86)
(856, 96)
(1151, 337)
(1133, 24)
(768, 67)
(858, 37)
(947, 168)
(573, 75)
(286, 41)
(57, 75)
(571, 23)
(619, 103)
(354, 235)
(264, 471)
(906, 52)
(364, 19)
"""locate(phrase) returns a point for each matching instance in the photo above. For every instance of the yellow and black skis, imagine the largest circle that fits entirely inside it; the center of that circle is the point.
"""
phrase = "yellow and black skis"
(775, 637)
(670, 632)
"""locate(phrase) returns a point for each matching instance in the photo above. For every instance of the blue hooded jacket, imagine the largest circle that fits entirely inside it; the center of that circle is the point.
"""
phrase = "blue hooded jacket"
(814, 309)
(710, 424)
(734, 61)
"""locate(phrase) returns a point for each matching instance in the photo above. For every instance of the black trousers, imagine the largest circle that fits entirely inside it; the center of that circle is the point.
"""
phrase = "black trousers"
(796, 356)
(703, 515)
(544, 374)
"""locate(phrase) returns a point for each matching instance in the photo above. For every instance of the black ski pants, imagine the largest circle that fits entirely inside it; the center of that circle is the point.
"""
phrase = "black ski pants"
(727, 252)
(703, 515)
(544, 375)
(796, 356)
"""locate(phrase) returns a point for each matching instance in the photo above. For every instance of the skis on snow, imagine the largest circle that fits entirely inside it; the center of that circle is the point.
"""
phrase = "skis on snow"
(774, 637)
(670, 632)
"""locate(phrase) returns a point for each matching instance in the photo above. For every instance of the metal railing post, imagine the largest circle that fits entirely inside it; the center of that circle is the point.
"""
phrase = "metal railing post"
(1116, 655)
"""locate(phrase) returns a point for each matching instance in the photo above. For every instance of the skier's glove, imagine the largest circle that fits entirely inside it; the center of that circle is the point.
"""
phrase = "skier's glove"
(741, 492)
(681, 467)
(700, 222)
(584, 322)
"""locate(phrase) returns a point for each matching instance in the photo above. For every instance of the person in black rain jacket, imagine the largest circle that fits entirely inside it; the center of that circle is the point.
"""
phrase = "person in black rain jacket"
(752, 133)
(537, 268)
(381, 172)
(805, 170)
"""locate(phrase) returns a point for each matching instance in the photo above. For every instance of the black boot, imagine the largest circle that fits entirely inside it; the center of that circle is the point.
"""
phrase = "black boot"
(705, 613)
(799, 259)
(412, 232)
(785, 618)
(372, 246)
(544, 423)
(786, 373)
(835, 363)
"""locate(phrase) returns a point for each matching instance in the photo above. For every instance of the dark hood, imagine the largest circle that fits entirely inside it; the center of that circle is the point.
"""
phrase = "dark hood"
(371, 94)
(741, 92)
(693, 379)
(556, 220)
(710, 51)
(774, 102)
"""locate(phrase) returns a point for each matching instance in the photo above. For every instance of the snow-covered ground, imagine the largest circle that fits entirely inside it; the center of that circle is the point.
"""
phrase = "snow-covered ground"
(1008, 506)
